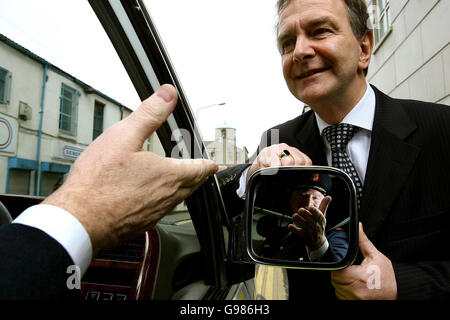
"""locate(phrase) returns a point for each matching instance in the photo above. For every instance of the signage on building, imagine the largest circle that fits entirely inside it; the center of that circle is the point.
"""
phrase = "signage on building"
(63, 151)
(71, 153)
(8, 134)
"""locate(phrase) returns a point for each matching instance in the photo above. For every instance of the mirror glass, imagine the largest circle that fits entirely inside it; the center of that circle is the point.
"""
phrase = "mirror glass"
(301, 216)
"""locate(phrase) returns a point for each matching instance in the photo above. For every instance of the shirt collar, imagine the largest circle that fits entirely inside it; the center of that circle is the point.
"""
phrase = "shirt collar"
(361, 115)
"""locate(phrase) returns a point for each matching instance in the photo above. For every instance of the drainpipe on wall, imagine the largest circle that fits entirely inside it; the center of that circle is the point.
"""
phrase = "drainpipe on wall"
(37, 176)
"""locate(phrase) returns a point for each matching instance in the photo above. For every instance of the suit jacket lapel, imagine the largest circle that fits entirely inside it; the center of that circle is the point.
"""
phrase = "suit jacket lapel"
(391, 159)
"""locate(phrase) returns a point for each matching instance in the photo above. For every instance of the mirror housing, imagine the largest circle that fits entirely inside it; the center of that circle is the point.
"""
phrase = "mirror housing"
(272, 237)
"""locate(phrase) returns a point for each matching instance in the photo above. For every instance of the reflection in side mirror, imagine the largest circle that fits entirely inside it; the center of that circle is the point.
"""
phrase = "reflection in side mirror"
(302, 217)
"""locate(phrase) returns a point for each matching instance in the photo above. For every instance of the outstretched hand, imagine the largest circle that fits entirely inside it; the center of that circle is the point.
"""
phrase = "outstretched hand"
(117, 190)
(310, 222)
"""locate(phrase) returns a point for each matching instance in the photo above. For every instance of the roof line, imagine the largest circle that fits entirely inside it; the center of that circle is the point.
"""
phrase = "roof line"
(86, 88)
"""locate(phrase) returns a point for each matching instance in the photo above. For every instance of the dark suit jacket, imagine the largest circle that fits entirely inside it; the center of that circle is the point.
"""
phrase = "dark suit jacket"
(33, 265)
(294, 248)
(406, 200)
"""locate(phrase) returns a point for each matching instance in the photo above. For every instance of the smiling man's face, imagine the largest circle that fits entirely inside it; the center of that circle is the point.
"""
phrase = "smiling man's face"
(320, 53)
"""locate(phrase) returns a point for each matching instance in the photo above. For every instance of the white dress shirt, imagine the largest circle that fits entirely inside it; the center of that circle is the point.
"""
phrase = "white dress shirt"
(362, 116)
(64, 228)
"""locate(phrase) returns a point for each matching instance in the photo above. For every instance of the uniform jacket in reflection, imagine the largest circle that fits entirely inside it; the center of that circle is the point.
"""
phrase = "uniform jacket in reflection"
(406, 204)
(293, 248)
(275, 195)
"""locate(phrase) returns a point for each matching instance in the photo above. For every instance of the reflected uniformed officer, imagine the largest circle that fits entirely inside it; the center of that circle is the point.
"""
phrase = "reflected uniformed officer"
(312, 193)
(305, 238)
(310, 202)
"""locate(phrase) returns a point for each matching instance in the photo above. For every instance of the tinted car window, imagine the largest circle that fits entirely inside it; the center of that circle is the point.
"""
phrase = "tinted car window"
(62, 84)
(225, 55)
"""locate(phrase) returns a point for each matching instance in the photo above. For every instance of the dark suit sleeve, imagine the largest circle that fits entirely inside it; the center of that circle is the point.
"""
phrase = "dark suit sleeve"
(431, 280)
(338, 245)
(229, 183)
(33, 265)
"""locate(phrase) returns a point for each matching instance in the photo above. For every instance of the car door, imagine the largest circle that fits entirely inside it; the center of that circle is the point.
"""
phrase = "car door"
(136, 40)
(49, 114)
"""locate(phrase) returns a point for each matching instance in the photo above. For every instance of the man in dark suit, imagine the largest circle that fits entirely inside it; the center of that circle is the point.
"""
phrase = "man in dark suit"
(33, 265)
(400, 152)
(49, 245)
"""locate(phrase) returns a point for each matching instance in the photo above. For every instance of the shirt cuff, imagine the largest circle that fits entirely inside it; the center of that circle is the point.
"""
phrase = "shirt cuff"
(242, 184)
(64, 228)
(316, 255)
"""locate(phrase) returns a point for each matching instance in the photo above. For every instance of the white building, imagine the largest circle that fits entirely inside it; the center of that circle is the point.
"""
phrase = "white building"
(411, 57)
(47, 118)
(223, 149)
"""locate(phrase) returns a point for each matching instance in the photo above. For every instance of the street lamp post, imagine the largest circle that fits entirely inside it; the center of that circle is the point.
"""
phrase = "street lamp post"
(205, 107)
(208, 106)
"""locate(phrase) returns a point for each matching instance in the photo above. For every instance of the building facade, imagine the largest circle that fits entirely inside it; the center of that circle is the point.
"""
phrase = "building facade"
(47, 118)
(411, 58)
(223, 149)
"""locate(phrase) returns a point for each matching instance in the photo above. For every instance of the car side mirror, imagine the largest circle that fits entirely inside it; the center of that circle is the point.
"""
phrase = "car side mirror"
(301, 217)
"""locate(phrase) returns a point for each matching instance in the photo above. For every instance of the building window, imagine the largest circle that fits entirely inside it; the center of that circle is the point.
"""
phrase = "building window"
(5, 85)
(98, 119)
(68, 113)
(382, 19)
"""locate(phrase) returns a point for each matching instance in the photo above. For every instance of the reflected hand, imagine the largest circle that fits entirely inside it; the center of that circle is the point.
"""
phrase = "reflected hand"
(372, 280)
(270, 157)
(116, 190)
(310, 222)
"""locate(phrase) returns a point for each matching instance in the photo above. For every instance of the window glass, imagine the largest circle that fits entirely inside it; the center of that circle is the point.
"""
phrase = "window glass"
(381, 5)
(2, 84)
(5, 85)
(383, 17)
(58, 52)
(98, 119)
(226, 57)
(68, 113)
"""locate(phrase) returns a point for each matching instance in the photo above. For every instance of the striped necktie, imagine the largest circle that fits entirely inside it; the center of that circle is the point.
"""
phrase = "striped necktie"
(338, 137)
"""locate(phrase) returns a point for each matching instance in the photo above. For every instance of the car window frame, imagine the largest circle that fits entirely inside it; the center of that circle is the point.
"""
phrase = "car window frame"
(138, 45)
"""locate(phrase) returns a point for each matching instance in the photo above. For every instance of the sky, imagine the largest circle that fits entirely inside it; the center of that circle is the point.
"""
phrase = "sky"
(222, 51)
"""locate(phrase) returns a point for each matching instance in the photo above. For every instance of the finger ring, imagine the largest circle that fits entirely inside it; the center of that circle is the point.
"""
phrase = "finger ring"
(284, 153)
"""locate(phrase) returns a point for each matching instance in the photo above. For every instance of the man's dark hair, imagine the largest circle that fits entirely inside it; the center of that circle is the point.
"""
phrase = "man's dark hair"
(357, 14)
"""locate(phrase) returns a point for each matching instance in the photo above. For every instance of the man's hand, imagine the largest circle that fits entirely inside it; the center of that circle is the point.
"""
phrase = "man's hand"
(270, 157)
(309, 223)
(374, 279)
(117, 190)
